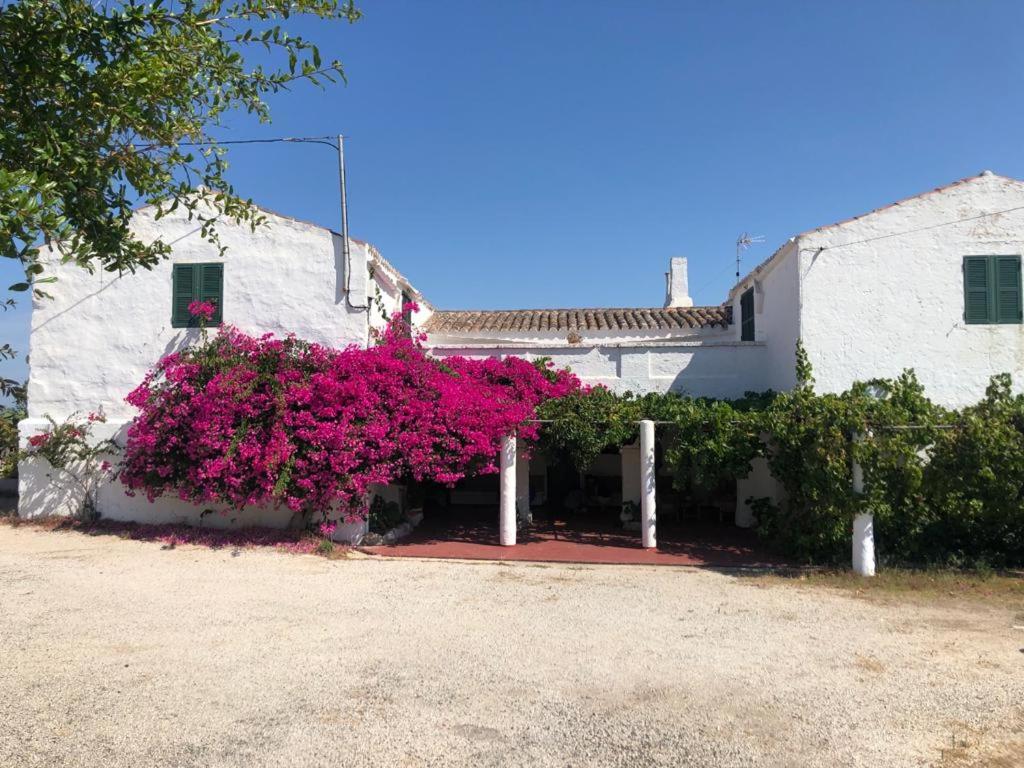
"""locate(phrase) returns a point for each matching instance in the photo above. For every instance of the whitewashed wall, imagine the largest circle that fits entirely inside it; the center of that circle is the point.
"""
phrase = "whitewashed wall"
(712, 365)
(874, 308)
(776, 287)
(93, 342)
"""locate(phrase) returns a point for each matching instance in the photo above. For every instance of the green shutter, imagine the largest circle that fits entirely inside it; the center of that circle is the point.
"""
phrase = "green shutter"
(977, 290)
(183, 281)
(196, 282)
(747, 315)
(1007, 289)
(211, 288)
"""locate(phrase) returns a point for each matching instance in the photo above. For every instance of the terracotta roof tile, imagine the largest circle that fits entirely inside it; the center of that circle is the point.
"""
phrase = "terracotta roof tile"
(539, 320)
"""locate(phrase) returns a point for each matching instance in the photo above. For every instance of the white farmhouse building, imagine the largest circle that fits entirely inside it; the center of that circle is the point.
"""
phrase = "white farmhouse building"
(868, 296)
(932, 283)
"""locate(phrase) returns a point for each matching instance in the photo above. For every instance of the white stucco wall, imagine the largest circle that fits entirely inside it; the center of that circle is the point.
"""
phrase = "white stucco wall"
(387, 289)
(713, 365)
(871, 309)
(94, 340)
(776, 315)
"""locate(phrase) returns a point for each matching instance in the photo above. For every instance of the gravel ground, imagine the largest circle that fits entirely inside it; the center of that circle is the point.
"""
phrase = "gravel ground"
(119, 653)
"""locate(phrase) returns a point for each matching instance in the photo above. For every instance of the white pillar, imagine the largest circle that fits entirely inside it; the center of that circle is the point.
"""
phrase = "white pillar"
(522, 485)
(648, 512)
(863, 523)
(864, 544)
(507, 507)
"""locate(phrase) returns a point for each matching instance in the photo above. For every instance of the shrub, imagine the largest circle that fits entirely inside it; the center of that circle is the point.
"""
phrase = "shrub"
(76, 458)
(584, 422)
(324, 547)
(972, 487)
(243, 421)
(9, 418)
(246, 421)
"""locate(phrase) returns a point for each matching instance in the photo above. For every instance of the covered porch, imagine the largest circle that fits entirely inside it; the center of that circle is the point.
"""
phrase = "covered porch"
(538, 511)
(476, 538)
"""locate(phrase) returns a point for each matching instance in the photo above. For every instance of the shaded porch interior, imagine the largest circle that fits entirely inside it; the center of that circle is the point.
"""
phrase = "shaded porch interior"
(577, 517)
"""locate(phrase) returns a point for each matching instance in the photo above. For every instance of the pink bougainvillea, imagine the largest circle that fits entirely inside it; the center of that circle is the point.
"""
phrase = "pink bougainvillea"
(204, 310)
(253, 421)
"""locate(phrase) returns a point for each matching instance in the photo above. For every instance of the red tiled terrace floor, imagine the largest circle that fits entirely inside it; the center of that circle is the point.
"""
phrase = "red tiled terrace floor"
(476, 538)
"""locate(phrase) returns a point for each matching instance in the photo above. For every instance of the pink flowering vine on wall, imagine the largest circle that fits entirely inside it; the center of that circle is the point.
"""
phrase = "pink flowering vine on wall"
(75, 460)
(248, 421)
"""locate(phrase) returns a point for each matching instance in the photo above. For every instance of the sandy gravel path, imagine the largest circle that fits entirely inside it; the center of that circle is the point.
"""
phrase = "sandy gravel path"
(118, 653)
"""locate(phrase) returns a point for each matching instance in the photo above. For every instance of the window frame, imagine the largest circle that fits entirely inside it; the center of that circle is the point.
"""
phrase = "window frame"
(993, 289)
(748, 297)
(197, 293)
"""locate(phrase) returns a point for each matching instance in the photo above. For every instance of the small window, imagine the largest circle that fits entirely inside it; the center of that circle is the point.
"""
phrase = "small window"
(747, 315)
(992, 290)
(196, 282)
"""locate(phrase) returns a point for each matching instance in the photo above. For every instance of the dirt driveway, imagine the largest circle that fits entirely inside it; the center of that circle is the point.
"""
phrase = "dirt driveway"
(119, 653)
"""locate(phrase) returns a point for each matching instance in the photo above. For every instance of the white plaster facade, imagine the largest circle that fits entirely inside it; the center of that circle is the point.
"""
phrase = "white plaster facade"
(869, 297)
(705, 365)
(94, 340)
(881, 292)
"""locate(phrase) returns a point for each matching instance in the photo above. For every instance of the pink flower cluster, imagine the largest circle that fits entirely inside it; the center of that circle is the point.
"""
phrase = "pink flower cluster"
(204, 310)
(253, 421)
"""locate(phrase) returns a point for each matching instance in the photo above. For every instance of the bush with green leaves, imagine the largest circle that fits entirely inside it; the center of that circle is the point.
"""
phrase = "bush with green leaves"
(945, 487)
(971, 509)
(582, 424)
(9, 418)
(810, 449)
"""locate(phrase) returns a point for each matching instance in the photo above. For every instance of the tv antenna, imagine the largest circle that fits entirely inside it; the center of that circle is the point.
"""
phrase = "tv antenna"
(743, 242)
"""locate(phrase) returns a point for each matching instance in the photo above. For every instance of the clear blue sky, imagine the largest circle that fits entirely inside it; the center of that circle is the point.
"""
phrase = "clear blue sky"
(539, 154)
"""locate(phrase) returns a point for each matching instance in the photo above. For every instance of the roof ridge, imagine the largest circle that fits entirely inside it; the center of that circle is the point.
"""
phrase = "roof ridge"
(850, 219)
(601, 319)
(590, 309)
(902, 200)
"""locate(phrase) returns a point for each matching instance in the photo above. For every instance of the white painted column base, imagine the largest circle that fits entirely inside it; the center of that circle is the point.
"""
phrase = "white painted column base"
(864, 544)
(864, 523)
(507, 505)
(648, 501)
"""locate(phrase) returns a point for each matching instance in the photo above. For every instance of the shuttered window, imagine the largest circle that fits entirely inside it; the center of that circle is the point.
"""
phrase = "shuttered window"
(196, 282)
(992, 289)
(747, 315)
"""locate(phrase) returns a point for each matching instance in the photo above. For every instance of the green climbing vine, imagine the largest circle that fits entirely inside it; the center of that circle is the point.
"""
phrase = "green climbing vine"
(944, 486)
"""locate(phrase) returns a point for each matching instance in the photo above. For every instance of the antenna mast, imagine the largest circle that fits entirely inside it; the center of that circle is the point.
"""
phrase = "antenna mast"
(743, 242)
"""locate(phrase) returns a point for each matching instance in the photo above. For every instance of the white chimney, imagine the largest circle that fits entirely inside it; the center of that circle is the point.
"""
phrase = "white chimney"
(677, 285)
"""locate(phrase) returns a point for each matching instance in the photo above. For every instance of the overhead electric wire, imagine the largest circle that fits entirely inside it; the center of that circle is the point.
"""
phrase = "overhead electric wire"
(328, 140)
(915, 230)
